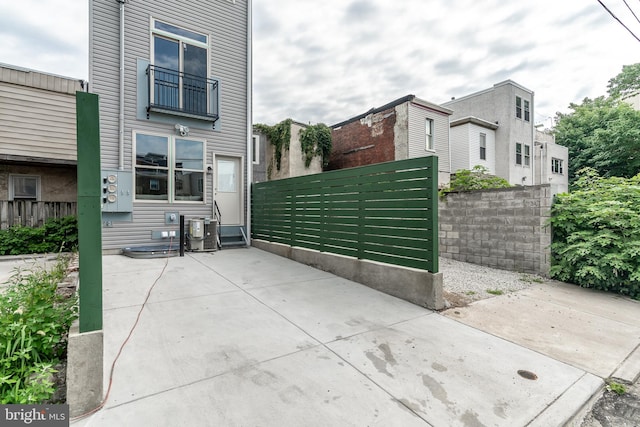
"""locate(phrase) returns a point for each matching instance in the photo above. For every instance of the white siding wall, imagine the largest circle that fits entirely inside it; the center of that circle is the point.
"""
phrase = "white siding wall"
(544, 154)
(226, 24)
(37, 115)
(417, 142)
(474, 148)
(459, 147)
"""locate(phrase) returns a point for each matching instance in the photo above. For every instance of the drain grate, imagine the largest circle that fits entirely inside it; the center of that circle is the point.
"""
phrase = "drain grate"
(527, 374)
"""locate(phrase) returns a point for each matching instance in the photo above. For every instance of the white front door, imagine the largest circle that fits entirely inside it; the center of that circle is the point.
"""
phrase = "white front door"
(228, 189)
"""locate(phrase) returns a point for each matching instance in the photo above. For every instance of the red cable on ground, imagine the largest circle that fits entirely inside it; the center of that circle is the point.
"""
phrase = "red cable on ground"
(124, 343)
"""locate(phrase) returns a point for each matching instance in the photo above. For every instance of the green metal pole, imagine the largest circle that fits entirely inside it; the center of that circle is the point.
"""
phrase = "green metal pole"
(89, 212)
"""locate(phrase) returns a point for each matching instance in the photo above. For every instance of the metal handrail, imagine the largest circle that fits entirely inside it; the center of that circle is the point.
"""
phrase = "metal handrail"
(182, 93)
(218, 217)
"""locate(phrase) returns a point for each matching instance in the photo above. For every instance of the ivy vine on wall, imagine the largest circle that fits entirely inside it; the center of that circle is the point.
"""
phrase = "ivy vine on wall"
(279, 135)
(315, 140)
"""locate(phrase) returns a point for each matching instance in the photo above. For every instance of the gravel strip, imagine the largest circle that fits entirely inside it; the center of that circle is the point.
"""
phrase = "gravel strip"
(464, 283)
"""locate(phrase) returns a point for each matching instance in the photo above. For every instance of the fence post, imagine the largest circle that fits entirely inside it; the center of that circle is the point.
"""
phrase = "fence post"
(89, 212)
(433, 171)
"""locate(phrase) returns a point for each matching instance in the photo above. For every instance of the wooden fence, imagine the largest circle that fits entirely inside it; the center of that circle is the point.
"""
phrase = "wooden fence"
(386, 212)
(32, 214)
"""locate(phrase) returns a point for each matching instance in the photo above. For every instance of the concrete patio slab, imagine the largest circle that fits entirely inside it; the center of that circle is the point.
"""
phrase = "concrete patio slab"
(330, 309)
(312, 387)
(244, 337)
(594, 331)
(251, 268)
(187, 340)
(454, 375)
(608, 305)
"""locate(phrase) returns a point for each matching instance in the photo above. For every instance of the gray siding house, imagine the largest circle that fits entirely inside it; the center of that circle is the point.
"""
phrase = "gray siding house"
(174, 87)
(37, 146)
(510, 106)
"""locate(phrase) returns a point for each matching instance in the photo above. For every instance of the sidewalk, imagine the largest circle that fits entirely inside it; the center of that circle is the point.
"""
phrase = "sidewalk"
(246, 338)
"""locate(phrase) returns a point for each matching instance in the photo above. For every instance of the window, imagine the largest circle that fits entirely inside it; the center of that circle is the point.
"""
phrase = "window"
(483, 146)
(169, 168)
(527, 155)
(255, 153)
(179, 69)
(526, 111)
(429, 134)
(556, 166)
(518, 107)
(518, 153)
(24, 187)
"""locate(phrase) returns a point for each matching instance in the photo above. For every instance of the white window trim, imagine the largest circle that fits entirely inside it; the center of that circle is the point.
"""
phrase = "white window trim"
(11, 186)
(519, 108)
(480, 140)
(526, 155)
(171, 168)
(429, 136)
(559, 162)
(521, 153)
(255, 140)
(176, 37)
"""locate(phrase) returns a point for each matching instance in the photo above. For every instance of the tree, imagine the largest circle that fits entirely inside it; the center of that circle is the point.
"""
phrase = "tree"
(625, 84)
(601, 133)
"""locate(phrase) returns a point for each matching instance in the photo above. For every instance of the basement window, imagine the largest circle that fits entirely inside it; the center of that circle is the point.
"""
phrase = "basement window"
(24, 187)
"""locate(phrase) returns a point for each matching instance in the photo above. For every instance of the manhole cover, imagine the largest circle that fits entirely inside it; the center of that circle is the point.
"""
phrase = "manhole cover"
(527, 374)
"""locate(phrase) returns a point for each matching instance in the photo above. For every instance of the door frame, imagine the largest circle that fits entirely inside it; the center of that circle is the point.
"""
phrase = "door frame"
(241, 185)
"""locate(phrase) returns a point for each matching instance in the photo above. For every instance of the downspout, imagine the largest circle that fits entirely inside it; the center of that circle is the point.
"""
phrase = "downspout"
(121, 117)
(249, 119)
(533, 141)
(449, 136)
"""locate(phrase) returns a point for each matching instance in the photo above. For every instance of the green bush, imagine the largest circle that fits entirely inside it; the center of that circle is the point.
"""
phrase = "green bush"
(55, 236)
(596, 234)
(34, 323)
(477, 178)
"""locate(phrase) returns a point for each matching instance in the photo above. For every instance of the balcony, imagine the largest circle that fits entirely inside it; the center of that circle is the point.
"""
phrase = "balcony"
(182, 94)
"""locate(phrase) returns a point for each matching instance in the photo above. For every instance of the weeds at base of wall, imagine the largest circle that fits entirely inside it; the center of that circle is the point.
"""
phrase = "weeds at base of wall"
(34, 325)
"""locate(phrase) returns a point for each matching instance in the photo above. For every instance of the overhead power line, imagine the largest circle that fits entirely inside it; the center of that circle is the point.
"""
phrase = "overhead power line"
(617, 19)
(631, 10)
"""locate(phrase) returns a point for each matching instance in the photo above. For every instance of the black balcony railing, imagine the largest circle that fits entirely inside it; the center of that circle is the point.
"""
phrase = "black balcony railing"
(182, 94)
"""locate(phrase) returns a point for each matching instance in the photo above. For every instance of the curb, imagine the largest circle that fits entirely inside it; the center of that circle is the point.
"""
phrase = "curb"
(571, 407)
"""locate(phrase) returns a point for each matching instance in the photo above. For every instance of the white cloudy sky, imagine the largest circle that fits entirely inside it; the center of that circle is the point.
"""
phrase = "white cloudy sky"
(328, 61)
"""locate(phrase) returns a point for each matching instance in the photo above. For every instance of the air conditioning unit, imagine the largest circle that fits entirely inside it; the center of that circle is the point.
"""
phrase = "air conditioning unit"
(210, 235)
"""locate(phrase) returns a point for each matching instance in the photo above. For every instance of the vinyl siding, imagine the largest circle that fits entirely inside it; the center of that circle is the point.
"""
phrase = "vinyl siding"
(417, 142)
(37, 116)
(225, 24)
(459, 147)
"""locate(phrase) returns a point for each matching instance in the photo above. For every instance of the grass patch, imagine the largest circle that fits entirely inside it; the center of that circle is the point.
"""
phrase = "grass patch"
(470, 292)
(615, 387)
(495, 291)
(531, 279)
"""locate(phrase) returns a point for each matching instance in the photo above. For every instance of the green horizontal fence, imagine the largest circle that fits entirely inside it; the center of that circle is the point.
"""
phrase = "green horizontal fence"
(387, 212)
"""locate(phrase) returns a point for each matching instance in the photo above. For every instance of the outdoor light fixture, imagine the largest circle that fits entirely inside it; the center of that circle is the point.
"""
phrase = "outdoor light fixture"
(182, 130)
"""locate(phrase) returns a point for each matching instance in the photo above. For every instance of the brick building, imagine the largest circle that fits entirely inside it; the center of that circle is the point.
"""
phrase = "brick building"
(405, 128)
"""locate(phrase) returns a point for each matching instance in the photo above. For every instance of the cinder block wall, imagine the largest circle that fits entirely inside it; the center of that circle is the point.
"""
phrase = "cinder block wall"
(502, 228)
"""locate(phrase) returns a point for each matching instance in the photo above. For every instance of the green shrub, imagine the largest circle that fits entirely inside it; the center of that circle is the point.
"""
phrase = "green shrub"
(34, 323)
(596, 234)
(477, 178)
(55, 236)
